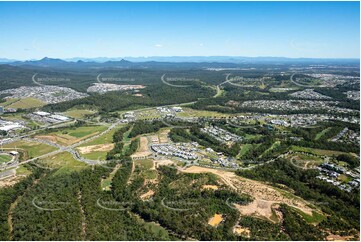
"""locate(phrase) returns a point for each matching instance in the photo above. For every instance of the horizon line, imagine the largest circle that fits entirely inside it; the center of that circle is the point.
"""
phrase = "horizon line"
(180, 56)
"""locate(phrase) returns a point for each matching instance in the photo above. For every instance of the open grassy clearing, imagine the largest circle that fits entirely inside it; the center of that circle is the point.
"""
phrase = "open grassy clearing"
(95, 155)
(153, 228)
(106, 183)
(322, 133)
(273, 146)
(78, 113)
(9, 101)
(64, 161)
(32, 149)
(305, 161)
(126, 138)
(249, 137)
(106, 138)
(315, 218)
(144, 164)
(244, 149)
(316, 151)
(5, 158)
(188, 112)
(22, 171)
(26, 103)
(145, 168)
(147, 114)
(69, 136)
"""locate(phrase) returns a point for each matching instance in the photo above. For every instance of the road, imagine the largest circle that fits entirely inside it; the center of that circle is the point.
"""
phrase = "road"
(301, 85)
(98, 78)
(37, 83)
(71, 149)
(172, 85)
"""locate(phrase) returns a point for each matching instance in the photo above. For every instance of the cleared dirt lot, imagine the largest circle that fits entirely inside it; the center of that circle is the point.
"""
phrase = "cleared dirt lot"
(241, 231)
(163, 163)
(143, 149)
(265, 196)
(93, 148)
(215, 220)
(211, 187)
(163, 136)
(147, 195)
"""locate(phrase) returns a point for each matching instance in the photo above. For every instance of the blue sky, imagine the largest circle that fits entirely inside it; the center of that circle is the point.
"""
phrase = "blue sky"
(117, 29)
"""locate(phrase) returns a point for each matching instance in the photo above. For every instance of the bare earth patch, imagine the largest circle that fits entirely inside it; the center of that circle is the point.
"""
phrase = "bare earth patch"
(163, 136)
(154, 139)
(143, 150)
(93, 148)
(11, 181)
(147, 195)
(334, 237)
(211, 187)
(241, 231)
(265, 196)
(163, 163)
(215, 220)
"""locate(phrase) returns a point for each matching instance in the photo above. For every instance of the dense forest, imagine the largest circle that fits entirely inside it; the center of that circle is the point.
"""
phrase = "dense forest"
(153, 95)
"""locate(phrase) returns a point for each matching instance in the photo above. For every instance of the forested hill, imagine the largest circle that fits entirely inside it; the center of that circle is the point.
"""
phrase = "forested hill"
(153, 95)
(12, 77)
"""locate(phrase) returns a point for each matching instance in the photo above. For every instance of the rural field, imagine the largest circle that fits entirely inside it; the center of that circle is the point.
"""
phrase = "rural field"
(5, 158)
(78, 113)
(24, 103)
(69, 136)
(30, 149)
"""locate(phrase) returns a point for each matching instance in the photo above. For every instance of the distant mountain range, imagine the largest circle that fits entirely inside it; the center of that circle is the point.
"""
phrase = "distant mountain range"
(173, 61)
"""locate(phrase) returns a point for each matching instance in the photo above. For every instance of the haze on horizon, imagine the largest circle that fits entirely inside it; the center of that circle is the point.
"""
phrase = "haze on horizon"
(64, 30)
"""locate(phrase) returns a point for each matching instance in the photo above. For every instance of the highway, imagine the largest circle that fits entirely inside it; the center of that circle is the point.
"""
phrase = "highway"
(172, 85)
(37, 83)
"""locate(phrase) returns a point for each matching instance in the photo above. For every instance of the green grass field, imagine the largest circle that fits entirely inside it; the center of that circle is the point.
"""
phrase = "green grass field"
(315, 218)
(105, 183)
(144, 164)
(78, 113)
(244, 149)
(144, 167)
(22, 171)
(26, 103)
(5, 158)
(64, 161)
(9, 101)
(68, 136)
(126, 136)
(316, 151)
(33, 149)
(322, 133)
(150, 174)
(95, 155)
(147, 114)
(273, 146)
(188, 112)
(104, 139)
(85, 131)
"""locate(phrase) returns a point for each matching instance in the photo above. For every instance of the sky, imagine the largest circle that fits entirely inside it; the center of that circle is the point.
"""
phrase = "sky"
(33, 30)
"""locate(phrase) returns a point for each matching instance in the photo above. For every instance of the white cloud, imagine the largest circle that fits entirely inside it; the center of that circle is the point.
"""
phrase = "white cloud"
(158, 45)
